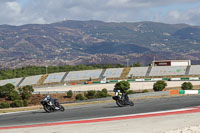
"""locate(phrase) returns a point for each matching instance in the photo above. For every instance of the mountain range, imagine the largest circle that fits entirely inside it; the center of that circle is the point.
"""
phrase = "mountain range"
(96, 42)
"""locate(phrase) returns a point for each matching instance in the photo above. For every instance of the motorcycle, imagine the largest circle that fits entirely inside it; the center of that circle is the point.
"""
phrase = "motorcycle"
(121, 100)
(51, 104)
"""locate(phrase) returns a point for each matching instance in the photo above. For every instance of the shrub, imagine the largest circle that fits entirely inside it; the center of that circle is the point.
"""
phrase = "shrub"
(80, 97)
(101, 94)
(105, 91)
(159, 85)
(90, 94)
(123, 86)
(130, 92)
(145, 91)
(69, 94)
(4, 105)
(17, 103)
(14, 95)
(25, 102)
(187, 86)
(26, 92)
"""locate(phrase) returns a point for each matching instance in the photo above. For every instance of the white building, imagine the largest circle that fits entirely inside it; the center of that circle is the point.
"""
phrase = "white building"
(171, 63)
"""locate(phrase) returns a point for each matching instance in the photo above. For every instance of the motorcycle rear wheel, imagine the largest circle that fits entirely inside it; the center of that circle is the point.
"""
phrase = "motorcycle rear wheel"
(131, 103)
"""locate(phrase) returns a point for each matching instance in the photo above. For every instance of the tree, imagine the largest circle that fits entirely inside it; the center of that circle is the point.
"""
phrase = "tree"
(14, 95)
(159, 85)
(187, 86)
(6, 90)
(90, 94)
(26, 92)
(69, 94)
(80, 97)
(123, 86)
(136, 64)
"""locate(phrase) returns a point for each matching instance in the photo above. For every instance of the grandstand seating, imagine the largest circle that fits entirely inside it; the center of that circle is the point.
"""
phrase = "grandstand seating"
(15, 81)
(54, 77)
(108, 73)
(83, 75)
(167, 70)
(113, 72)
(138, 71)
(194, 70)
(32, 80)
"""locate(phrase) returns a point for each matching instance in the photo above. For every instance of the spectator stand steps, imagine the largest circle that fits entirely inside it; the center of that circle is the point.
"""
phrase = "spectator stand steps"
(42, 79)
(20, 82)
(187, 70)
(125, 72)
(62, 80)
(148, 71)
(102, 73)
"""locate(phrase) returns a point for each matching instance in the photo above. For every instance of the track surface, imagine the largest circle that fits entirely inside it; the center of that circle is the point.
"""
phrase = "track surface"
(99, 110)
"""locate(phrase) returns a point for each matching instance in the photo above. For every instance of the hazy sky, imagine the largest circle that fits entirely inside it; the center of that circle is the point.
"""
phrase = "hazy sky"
(18, 12)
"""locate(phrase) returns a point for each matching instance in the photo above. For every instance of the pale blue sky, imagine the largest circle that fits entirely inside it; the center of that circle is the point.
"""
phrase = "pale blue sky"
(18, 12)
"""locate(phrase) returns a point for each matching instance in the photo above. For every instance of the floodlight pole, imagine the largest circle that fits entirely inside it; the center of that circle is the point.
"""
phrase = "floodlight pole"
(127, 62)
(46, 69)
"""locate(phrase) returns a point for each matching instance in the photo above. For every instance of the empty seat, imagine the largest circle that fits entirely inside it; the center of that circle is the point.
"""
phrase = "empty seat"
(167, 70)
(113, 72)
(32, 80)
(83, 75)
(54, 77)
(138, 71)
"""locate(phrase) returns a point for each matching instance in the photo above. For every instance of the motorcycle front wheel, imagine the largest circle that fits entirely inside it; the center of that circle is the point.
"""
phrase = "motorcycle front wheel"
(62, 108)
(120, 103)
(47, 108)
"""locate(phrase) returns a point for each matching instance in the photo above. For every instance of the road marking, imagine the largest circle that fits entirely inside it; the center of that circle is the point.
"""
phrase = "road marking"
(111, 118)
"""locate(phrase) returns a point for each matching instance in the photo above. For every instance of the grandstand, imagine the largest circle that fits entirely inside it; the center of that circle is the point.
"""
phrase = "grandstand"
(194, 70)
(14, 81)
(54, 77)
(113, 73)
(83, 75)
(167, 70)
(32, 80)
(138, 72)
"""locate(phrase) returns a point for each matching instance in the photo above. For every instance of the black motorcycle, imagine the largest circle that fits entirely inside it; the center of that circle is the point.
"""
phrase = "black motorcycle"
(51, 104)
(122, 100)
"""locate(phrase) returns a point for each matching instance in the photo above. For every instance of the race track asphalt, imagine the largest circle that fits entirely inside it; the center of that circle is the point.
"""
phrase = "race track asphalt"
(99, 110)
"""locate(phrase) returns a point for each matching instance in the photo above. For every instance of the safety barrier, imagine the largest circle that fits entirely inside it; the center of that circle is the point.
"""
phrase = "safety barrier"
(174, 92)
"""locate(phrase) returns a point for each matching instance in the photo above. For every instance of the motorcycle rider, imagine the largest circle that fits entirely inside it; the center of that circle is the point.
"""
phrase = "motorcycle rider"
(125, 94)
(53, 101)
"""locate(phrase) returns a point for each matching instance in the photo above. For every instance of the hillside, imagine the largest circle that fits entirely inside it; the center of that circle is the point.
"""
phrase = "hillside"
(96, 42)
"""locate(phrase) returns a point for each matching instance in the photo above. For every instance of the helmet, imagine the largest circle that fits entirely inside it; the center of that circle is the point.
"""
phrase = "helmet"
(48, 97)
